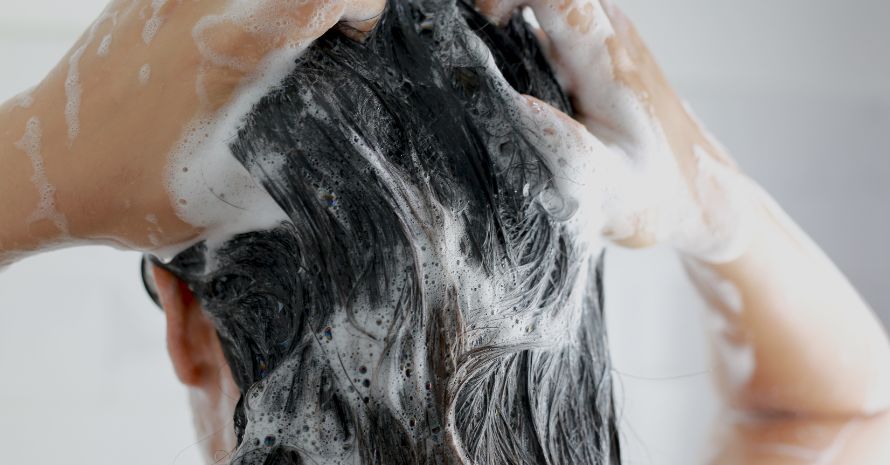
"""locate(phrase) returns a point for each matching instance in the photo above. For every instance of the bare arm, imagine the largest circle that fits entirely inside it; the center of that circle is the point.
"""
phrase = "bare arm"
(816, 347)
(801, 357)
(797, 349)
(21, 195)
(84, 157)
(810, 441)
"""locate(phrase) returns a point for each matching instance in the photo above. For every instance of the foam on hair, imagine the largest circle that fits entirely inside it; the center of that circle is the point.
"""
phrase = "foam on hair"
(420, 306)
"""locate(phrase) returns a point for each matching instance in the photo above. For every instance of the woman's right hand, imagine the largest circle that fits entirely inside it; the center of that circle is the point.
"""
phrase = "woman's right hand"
(108, 116)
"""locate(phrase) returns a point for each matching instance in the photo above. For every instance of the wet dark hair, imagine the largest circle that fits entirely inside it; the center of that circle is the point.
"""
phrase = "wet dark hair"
(423, 305)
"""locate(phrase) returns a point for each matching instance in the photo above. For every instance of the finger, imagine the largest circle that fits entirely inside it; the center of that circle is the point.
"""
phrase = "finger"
(576, 27)
(362, 13)
(597, 70)
(241, 35)
(542, 38)
(588, 177)
(577, 41)
(361, 17)
(498, 11)
(580, 32)
(576, 157)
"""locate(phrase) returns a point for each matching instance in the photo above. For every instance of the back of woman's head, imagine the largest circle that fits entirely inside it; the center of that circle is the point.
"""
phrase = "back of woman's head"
(424, 303)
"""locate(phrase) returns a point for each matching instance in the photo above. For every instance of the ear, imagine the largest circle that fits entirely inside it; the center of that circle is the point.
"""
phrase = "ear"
(191, 337)
(200, 364)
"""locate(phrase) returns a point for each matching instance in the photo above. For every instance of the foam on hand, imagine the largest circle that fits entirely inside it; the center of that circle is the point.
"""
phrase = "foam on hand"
(30, 143)
(104, 45)
(211, 189)
(73, 89)
(703, 217)
(150, 30)
(144, 74)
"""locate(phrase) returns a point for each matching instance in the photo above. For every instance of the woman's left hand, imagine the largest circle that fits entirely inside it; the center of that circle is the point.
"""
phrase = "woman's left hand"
(652, 172)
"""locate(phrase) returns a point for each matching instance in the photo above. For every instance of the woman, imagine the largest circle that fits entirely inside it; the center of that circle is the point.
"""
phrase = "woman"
(803, 361)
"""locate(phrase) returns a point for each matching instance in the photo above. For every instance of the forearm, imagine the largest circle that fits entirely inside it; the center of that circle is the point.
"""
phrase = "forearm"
(787, 315)
(80, 164)
(28, 218)
(58, 190)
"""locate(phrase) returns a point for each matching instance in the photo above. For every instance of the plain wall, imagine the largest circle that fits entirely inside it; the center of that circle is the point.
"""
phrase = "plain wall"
(798, 90)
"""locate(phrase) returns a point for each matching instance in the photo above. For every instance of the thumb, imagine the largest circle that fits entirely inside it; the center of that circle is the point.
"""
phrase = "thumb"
(586, 174)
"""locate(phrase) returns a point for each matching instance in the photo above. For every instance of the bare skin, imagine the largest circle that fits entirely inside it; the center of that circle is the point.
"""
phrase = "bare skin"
(109, 178)
(817, 388)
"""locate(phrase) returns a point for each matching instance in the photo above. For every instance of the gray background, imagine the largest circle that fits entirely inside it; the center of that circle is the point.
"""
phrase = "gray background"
(800, 92)
(798, 89)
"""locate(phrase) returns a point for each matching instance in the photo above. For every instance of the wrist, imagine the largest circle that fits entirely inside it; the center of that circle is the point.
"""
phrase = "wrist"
(27, 219)
(56, 195)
